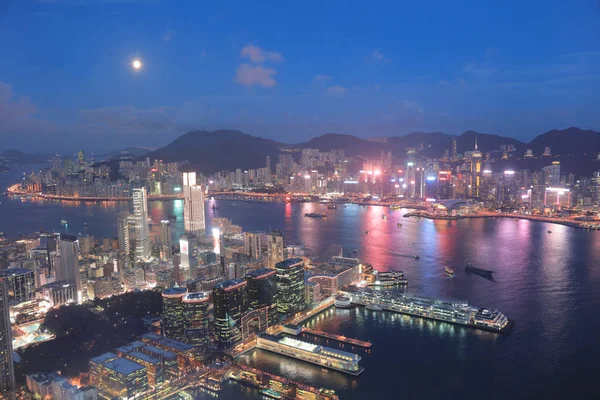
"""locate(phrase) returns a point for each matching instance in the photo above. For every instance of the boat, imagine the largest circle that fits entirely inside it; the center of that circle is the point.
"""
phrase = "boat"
(315, 215)
(172, 218)
(399, 225)
(374, 307)
(479, 271)
(64, 222)
(332, 206)
(395, 207)
(270, 393)
(342, 302)
(366, 232)
(549, 231)
(449, 271)
(416, 257)
(383, 216)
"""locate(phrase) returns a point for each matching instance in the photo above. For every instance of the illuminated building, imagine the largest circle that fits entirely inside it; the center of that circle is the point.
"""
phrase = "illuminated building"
(275, 248)
(67, 262)
(169, 360)
(188, 245)
(552, 174)
(195, 318)
(140, 218)
(116, 377)
(153, 366)
(20, 284)
(7, 373)
(312, 353)
(290, 286)
(475, 171)
(253, 244)
(262, 292)
(558, 197)
(187, 355)
(59, 293)
(123, 234)
(230, 300)
(63, 390)
(193, 204)
(172, 313)
(166, 245)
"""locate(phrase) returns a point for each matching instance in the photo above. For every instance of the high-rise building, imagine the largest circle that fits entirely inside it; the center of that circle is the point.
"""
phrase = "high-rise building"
(123, 234)
(193, 204)
(166, 245)
(552, 174)
(140, 217)
(172, 315)
(262, 292)
(230, 300)
(253, 244)
(7, 373)
(188, 245)
(20, 283)
(275, 247)
(195, 318)
(290, 286)
(67, 262)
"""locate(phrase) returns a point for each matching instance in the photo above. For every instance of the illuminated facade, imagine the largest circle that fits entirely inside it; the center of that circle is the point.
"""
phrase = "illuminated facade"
(123, 235)
(290, 286)
(253, 244)
(67, 262)
(193, 204)
(275, 248)
(20, 284)
(7, 373)
(172, 316)
(166, 244)
(230, 300)
(116, 377)
(262, 292)
(188, 244)
(195, 318)
(140, 218)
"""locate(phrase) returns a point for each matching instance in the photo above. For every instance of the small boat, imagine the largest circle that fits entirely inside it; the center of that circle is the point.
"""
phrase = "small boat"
(395, 207)
(272, 394)
(399, 225)
(383, 216)
(366, 232)
(549, 231)
(345, 206)
(64, 222)
(416, 256)
(478, 271)
(449, 271)
(85, 224)
(374, 307)
(315, 215)
(332, 206)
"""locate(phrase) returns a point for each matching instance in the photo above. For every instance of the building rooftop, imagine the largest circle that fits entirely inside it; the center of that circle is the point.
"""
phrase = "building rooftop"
(176, 345)
(145, 357)
(196, 297)
(15, 271)
(154, 337)
(67, 237)
(230, 284)
(123, 366)
(102, 358)
(261, 273)
(290, 262)
(159, 352)
(128, 348)
(174, 292)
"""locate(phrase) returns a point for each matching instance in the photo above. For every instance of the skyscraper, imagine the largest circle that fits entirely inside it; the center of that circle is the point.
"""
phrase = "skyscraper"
(123, 234)
(230, 300)
(140, 217)
(67, 262)
(253, 244)
(275, 247)
(7, 373)
(195, 318)
(193, 204)
(290, 286)
(166, 245)
(188, 245)
(172, 316)
(262, 292)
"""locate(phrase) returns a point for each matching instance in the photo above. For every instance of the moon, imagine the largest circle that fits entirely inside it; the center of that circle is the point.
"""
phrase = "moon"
(136, 64)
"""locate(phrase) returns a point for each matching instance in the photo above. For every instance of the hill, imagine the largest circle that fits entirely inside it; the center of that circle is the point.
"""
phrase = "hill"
(209, 152)
(20, 157)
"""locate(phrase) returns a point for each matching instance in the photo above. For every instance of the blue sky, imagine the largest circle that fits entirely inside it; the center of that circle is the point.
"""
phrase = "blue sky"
(292, 70)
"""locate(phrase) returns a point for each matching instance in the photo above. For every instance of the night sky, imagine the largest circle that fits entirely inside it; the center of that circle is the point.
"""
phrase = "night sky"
(291, 70)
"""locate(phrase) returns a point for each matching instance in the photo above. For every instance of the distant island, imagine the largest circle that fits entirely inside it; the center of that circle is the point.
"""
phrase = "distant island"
(4, 168)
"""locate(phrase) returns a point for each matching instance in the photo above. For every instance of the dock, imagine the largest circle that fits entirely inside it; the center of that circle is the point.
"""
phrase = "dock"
(339, 338)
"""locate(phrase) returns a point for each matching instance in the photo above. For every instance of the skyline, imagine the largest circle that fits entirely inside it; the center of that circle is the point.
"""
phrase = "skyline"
(352, 70)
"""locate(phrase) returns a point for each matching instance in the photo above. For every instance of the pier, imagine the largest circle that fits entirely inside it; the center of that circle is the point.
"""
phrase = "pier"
(339, 338)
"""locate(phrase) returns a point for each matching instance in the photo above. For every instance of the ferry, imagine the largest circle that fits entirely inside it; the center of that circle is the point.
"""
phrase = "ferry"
(383, 216)
(549, 231)
(416, 257)
(342, 301)
(315, 215)
(272, 394)
(64, 222)
(399, 225)
(449, 271)
(479, 271)
(332, 206)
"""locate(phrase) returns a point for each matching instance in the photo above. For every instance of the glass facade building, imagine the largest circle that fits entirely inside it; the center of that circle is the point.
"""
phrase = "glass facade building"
(290, 286)
(230, 300)
(262, 292)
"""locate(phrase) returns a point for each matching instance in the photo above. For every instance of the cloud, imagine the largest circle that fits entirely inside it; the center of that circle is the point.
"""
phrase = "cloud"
(376, 57)
(405, 113)
(258, 55)
(321, 78)
(250, 75)
(168, 34)
(17, 113)
(336, 89)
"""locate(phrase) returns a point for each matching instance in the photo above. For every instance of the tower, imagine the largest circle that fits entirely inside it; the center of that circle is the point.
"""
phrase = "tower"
(140, 217)
(188, 244)
(230, 300)
(7, 373)
(195, 318)
(193, 204)
(166, 245)
(172, 316)
(123, 234)
(253, 244)
(275, 247)
(67, 261)
(290, 286)
(262, 292)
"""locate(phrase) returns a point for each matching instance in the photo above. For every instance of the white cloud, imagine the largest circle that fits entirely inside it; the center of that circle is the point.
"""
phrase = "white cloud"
(321, 78)
(336, 89)
(17, 113)
(250, 75)
(376, 56)
(168, 34)
(259, 55)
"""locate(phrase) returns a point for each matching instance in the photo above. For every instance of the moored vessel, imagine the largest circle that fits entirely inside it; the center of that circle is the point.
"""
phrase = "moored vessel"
(449, 271)
(315, 215)
(342, 301)
(479, 271)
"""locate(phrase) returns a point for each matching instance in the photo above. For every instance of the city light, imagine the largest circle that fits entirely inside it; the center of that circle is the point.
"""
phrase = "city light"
(410, 164)
(431, 178)
(509, 172)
